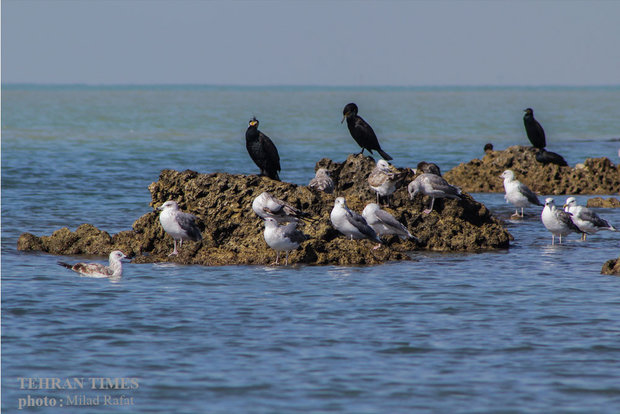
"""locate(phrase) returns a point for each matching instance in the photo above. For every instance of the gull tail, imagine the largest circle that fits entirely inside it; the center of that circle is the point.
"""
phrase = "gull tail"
(67, 265)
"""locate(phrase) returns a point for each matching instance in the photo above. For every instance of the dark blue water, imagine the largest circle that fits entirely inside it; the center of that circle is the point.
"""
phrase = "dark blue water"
(535, 328)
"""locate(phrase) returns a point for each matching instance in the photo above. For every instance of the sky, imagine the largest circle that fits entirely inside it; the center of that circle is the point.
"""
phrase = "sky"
(323, 43)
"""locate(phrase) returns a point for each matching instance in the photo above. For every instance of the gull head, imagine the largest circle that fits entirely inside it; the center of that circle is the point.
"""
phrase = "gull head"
(340, 201)
(322, 172)
(270, 222)
(384, 166)
(549, 202)
(413, 188)
(508, 174)
(370, 209)
(570, 201)
(117, 255)
(169, 205)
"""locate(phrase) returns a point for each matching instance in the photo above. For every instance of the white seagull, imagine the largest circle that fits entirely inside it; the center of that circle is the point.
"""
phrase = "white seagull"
(114, 270)
(322, 181)
(434, 186)
(384, 223)
(265, 205)
(282, 238)
(517, 193)
(587, 220)
(383, 179)
(181, 226)
(557, 221)
(350, 223)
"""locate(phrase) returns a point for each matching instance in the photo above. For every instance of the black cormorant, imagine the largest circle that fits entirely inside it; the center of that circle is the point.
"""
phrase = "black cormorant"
(535, 132)
(547, 157)
(262, 151)
(361, 132)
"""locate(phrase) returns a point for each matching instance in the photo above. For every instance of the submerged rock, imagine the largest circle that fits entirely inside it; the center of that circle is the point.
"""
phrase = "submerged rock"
(600, 202)
(233, 233)
(611, 267)
(594, 176)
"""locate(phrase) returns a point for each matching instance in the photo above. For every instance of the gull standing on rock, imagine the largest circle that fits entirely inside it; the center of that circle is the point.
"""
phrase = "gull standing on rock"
(383, 223)
(557, 221)
(181, 226)
(282, 238)
(584, 218)
(322, 181)
(265, 205)
(383, 179)
(114, 270)
(517, 193)
(434, 186)
(350, 223)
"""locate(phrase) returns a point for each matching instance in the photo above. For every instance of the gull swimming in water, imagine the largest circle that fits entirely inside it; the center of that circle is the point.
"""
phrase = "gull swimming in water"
(265, 205)
(587, 220)
(383, 179)
(517, 193)
(557, 221)
(322, 181)
(434, 186)
(383, 223)
(350, 223)
(181, 226)
(282, 238)
(97, 270)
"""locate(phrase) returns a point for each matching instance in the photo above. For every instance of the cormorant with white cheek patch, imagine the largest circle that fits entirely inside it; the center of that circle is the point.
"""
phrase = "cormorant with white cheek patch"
(262, 151)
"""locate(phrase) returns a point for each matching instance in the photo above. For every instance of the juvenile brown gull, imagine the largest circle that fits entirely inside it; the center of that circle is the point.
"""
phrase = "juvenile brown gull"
(587, 220)
(179, 225)
(557, 221)
(517, 193)
(322, 181)
(282, 238)
(97, 270)
(350, 223)
(434, 186)
(383, 179)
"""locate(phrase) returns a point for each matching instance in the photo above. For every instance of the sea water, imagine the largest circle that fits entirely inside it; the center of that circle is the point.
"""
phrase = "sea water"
(533, 328)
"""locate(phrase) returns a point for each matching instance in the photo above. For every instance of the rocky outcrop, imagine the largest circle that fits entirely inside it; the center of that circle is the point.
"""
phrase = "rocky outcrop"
(611, 267)
(594, 176)
(600, 202)
(233, 233)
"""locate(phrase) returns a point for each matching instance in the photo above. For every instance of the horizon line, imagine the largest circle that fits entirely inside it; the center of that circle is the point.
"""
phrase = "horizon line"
(300, 85)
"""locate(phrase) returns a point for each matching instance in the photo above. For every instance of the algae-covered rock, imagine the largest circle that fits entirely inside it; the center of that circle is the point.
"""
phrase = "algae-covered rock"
(594, 176)
(600, 202)
(233, 233)
(611, 267)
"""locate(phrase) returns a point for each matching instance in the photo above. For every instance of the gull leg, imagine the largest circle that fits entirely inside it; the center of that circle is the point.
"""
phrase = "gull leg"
(552, 239)
(560, 239)
(286, 262)
(521, 212)
(174, 251)
(428, 210)
(277, 258)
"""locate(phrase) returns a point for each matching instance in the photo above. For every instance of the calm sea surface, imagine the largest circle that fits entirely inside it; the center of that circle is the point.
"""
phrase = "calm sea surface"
(534, 328)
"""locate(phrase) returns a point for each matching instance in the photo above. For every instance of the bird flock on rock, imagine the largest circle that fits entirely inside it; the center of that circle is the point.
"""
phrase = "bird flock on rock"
(281, 218)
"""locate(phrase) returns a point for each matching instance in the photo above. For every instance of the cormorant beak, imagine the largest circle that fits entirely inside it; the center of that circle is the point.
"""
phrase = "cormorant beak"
(253, 123)
(343, 118)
